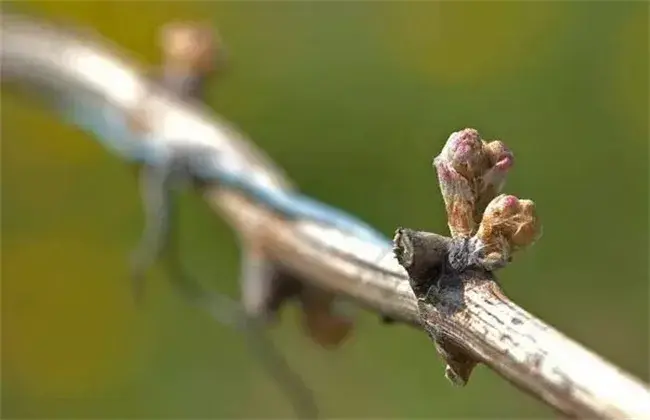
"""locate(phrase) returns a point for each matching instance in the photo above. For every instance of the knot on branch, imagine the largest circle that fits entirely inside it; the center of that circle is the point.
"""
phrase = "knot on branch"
(486, 229)
(190, 46)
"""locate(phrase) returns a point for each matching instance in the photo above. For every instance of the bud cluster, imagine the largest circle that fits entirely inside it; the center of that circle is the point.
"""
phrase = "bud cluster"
(471, 173)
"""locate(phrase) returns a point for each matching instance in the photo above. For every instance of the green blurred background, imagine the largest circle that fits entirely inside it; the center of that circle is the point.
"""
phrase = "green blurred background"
(353, 99)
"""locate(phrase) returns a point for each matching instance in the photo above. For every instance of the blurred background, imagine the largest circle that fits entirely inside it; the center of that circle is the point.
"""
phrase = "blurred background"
(353, 99)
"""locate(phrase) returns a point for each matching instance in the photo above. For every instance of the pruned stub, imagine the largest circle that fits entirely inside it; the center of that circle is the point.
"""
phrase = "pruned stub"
(486, 228)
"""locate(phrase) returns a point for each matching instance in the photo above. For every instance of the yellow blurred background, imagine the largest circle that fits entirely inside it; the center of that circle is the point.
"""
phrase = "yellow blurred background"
(353, 99)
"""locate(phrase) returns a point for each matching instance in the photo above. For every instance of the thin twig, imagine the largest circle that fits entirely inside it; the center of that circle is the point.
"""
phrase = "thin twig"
(487, 327)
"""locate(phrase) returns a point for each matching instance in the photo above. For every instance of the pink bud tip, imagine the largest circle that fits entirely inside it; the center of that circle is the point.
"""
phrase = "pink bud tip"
(464, 145)
(504, 163)
(510, 202)
(500, 156)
